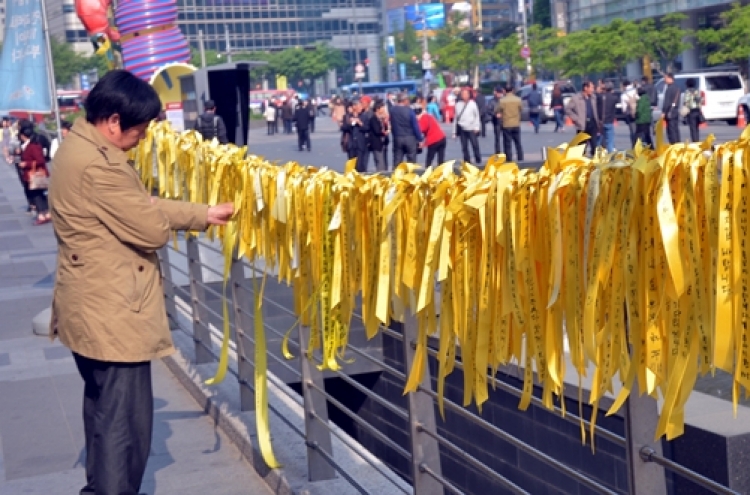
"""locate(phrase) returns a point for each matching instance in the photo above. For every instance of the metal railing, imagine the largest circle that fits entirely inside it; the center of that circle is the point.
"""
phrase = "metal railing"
(646, 465)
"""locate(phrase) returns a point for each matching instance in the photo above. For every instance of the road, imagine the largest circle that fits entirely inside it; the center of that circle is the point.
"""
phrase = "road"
(326, 150)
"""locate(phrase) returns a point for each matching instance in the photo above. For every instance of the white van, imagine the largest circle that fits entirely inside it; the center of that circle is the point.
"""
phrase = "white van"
(721, 91)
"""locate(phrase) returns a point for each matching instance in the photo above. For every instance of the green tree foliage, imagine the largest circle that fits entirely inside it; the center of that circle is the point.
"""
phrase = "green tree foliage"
(306, 64)
(212, 57)
(668, 38)
(728, 42)
(542, 13)
(68, 64)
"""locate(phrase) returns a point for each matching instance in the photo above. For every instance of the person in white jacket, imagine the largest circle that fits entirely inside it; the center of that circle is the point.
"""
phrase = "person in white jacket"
(270, 115)
(467, 125)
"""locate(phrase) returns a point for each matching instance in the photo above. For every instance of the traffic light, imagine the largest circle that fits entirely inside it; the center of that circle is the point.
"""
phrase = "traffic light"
(519, 32)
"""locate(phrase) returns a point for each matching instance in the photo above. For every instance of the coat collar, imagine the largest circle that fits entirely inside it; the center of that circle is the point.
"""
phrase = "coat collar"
(87, 131)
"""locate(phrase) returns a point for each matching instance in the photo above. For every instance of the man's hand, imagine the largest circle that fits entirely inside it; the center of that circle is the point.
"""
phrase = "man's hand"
(220, 214)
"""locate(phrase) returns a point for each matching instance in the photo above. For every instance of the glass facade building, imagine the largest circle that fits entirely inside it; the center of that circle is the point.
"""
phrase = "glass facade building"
(582, 14)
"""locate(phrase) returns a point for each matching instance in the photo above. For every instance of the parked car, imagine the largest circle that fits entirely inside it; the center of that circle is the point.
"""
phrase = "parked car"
(545, 87)
(723, 92)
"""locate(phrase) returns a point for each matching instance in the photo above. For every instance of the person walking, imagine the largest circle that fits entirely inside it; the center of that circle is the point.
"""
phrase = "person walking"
(582, 111)
(534, 100)
(108, 306)
(287, 114)
(643, 117)
(15, 151)
(270, 116)
(481, 102)
(497, 122)
(405, 130)
(378, 135)
(356, 125)
(467, 126)
(210, 125)
(608, 114)
(302, 120)
(433, 108)
(7, 139)
(33, 163)
(509, 112)
(671, 109)
(558, 106)
(313, 114)
(628, 103)
(693, 101)
(434, 137)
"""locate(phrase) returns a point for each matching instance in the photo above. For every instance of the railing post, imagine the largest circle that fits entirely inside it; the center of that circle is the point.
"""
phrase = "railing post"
(201, 333)
(243, 324)
(167, 284)
(641, 418)
(317, 434)
(425, 450)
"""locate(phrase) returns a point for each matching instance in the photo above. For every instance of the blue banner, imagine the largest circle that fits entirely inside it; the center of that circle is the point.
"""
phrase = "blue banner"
(24, 79)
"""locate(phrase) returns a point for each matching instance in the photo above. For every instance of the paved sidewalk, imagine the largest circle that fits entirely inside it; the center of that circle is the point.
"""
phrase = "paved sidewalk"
(41, 431)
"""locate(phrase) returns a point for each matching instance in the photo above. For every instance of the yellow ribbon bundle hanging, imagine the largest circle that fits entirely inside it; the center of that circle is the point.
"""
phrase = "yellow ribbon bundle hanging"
(637, 264)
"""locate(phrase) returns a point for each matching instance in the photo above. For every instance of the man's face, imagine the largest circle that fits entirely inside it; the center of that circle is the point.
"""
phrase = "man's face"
(64, 132)
(465, 95)
(125, 140)
(588, 89)
(669, 80)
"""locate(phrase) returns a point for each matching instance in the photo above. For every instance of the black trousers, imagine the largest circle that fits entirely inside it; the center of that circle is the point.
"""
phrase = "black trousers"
(118, 416)
(694, 121)
(643, 132)
(498, 128)
(303, 138)
(673, 130)
(362, 153)
(466, 138)
(590, 143)
(512, 135)
(404, 146)
(312, 124)
(379, 157)
(436, 149)
(38, 198)
(271, 127)
(24, 184)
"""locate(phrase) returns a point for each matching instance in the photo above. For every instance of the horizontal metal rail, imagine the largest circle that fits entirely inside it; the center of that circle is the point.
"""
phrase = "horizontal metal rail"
(349, 443)
(202, 242)
(361, 422)
(341, 471)
(474, 461)
(568, 416)
(447, 484)
(208, 268)
(649, 455)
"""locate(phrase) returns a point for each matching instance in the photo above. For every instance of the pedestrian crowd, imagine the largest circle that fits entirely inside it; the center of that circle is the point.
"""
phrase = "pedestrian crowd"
(29, 148)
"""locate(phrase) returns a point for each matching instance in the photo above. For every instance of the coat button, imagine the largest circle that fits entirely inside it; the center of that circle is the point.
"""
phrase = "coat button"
(140, 268)
(74, 257)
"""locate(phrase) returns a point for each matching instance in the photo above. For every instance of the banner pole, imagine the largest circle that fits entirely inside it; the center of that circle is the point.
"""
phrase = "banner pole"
(51, 72)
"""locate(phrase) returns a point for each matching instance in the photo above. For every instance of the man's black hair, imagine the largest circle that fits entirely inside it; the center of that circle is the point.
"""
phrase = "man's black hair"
(120, 92)
(66, 125)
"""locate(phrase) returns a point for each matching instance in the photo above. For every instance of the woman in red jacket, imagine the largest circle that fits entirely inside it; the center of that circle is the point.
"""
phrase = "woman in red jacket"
(32, 160)
(434, 137)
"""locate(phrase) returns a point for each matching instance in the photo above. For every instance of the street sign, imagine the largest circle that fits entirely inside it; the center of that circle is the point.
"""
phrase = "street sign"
(359, 71)
(525, 52)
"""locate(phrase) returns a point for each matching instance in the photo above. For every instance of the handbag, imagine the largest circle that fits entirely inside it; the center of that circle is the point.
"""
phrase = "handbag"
(38, 179)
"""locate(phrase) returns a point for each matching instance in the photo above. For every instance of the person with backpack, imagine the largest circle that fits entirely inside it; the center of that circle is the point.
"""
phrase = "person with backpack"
(628, 103)
(210, 125)
(693, 102)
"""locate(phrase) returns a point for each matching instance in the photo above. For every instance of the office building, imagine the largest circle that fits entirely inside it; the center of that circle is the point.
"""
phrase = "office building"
(573, 15)
(353, 26)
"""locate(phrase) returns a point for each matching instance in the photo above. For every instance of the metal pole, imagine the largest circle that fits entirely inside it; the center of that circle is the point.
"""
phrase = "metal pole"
(356, 40)
(243, 324)
(478, 28)
(202, 48)
(526, 36)
(425, 449)
(51, 71)
(201, 332)
(228, 42)
(641, 418)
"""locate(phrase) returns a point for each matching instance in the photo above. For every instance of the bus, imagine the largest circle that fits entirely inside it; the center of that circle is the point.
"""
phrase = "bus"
(70, 101)
(381, 89)
(258, 96)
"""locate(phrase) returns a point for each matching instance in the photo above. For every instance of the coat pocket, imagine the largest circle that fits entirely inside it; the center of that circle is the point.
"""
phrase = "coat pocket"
(139, 286)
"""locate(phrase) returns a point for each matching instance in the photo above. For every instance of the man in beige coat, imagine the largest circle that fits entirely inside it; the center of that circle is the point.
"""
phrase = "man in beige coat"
(108, 304)
(583, 111)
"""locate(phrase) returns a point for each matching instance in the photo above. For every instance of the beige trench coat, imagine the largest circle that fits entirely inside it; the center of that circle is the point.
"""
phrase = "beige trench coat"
(108, 301)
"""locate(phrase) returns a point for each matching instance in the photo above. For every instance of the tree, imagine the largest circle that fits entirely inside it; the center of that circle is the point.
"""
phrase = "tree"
(666, 41)
(542, 13)
(212, 57)
(306, 64)
(458, 54)
(728, 42)
(66, 62)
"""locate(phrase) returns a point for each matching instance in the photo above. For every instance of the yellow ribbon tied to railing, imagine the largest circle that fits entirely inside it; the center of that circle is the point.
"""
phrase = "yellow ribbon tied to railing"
(631, 267)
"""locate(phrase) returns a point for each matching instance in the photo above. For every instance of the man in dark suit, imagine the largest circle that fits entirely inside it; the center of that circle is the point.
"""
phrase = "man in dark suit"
(671, 109)
(302, 120)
